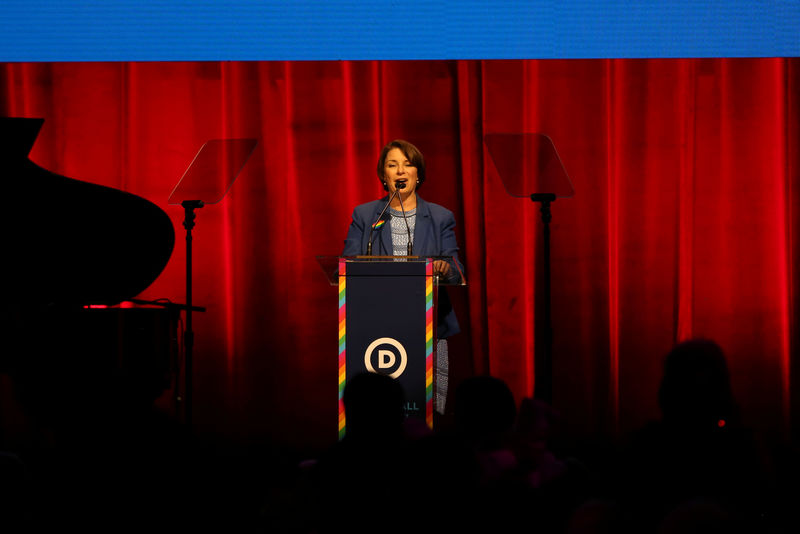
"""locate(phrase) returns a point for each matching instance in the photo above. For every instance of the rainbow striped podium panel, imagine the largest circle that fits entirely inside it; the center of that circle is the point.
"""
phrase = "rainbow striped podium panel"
(386, 326)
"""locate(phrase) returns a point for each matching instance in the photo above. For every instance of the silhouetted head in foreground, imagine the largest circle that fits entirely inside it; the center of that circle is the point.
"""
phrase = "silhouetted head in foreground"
(695, 390)
(373, 406)
(485, 411)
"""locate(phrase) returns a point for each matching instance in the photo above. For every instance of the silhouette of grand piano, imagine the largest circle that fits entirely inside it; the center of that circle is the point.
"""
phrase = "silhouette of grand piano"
(70, 244)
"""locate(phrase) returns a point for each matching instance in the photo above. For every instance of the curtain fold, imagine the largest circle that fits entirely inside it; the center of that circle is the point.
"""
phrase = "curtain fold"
(683, 223)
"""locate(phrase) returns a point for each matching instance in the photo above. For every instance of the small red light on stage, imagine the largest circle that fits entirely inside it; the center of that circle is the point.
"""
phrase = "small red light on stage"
(721, 423)
(126, 304)
(95, 306)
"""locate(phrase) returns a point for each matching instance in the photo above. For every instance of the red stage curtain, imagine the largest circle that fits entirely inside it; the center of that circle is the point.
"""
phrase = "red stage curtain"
(684, 220)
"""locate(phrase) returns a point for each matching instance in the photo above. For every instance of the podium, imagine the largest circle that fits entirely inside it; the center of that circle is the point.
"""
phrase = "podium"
(387, 322)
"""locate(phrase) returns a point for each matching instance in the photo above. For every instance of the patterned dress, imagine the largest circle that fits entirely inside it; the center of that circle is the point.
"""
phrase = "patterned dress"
(400, 236)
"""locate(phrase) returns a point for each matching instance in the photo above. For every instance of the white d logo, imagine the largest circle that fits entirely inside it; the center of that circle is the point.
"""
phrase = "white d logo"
(386, 358)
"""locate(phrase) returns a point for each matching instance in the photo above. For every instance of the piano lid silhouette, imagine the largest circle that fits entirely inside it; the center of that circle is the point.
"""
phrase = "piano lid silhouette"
(71, 243)
(68, 244)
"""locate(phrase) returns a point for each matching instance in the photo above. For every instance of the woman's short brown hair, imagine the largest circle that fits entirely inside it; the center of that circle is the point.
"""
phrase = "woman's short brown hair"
(410, 151)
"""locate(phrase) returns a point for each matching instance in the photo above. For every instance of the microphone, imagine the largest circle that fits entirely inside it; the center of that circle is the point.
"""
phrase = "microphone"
(378, 223)
(399, 186)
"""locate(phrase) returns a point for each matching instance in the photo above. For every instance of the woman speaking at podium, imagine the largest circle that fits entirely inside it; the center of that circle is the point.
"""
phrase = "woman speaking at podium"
(403, 224)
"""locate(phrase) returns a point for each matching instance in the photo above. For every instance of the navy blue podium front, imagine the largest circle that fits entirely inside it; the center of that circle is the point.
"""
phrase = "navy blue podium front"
(386, 326)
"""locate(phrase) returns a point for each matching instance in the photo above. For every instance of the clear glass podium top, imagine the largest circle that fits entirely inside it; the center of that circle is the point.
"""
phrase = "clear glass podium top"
(330, 266)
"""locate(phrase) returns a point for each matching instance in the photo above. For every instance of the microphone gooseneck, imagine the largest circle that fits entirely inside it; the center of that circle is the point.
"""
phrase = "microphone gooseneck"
(378, 220)
(402, 185)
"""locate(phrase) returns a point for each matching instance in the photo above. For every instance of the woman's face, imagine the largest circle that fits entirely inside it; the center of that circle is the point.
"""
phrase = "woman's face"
(398, 169)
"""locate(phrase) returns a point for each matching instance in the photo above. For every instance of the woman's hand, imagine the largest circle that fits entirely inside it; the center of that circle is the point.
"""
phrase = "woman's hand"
(441, 268)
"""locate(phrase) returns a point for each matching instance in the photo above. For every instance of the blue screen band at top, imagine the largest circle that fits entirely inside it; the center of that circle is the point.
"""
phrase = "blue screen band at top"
(215, 30)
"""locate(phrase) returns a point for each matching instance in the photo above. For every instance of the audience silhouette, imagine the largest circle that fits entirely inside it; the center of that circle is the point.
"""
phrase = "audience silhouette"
(698, 461)
(356, 484)
(697, 468)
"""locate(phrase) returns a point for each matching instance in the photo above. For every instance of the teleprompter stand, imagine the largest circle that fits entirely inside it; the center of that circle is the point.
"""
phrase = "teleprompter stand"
(206, 181)
(530, 167)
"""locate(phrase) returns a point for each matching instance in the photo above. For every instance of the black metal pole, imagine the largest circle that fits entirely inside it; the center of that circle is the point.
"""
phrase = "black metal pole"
(543, 365)
(188, 337)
